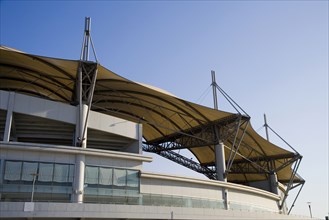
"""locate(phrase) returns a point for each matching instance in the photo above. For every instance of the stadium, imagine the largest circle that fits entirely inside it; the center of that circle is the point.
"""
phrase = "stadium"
(72, 136)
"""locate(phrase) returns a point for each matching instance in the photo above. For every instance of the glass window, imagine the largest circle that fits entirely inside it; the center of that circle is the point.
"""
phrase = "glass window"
(29, 171)
(61, 173)
(132, 178)
(71, 173)
(105, 176)
(46, 172)
(91, 175)
(119, 177)
(13, 170)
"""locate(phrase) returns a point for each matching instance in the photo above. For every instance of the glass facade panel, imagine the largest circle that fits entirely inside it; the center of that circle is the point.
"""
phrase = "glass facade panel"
(54, 181)
(105, 176)
(180, 201)
(61, 173)
(29, 171)
(113, 185)
(13, 170)
(91, 176)
(119, 177)
(132, 178)
(46, 172)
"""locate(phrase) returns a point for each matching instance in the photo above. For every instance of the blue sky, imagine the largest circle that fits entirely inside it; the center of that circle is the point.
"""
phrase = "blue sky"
(270, 56)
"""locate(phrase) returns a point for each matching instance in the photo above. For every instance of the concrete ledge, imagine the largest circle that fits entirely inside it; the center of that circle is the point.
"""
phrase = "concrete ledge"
(73, 150)
(109, 211)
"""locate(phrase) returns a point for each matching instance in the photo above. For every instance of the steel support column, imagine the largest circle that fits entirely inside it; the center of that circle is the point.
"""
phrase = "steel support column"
(9, 117)
(220, 161)
(274, 183)
(81, 141)
(85, 85)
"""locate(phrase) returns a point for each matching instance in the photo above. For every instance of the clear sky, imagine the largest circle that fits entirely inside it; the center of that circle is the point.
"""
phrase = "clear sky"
(270, 56)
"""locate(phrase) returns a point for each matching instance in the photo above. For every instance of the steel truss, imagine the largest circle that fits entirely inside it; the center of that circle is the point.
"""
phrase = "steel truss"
(232, 127)
(301, 185)
(262, 164)
(202, 135)
(184, 161)
(293, 184)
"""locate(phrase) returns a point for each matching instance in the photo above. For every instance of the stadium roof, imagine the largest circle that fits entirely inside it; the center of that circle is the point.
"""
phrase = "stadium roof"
(165, 118)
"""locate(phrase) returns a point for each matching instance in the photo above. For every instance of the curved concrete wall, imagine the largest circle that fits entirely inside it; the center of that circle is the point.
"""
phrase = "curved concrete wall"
(239, 197)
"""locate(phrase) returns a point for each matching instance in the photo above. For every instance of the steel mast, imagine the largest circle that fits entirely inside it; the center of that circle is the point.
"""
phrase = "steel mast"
(85, 86)
(219, 148)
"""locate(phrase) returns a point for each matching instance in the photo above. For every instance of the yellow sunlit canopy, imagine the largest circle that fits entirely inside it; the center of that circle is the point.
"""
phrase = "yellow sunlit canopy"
(163, 115)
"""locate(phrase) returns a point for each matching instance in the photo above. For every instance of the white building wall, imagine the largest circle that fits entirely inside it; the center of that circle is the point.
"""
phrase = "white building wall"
(113, 162)
(113, 125)
(179, 188)
(240, 197)
(252, 199)
(43, 108)
(40, 156)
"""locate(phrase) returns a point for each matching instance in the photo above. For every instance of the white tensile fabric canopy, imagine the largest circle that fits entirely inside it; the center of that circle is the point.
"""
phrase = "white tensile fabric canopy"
(162, 114)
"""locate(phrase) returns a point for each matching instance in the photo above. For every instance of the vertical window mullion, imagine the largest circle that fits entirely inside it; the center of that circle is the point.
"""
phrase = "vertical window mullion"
(126, 185)
(98, 176)
(112, 182)
(21, 172)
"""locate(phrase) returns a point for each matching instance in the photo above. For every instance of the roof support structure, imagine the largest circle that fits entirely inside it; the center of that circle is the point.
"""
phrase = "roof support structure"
(85, 84)
(84, 87)
(220, 165)
(184, 161)
(301, 184)
(290, 185)
(297, 160)
(233, 130)
(262, 164)
(230, 130)
(236, 143)
(201, 137)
